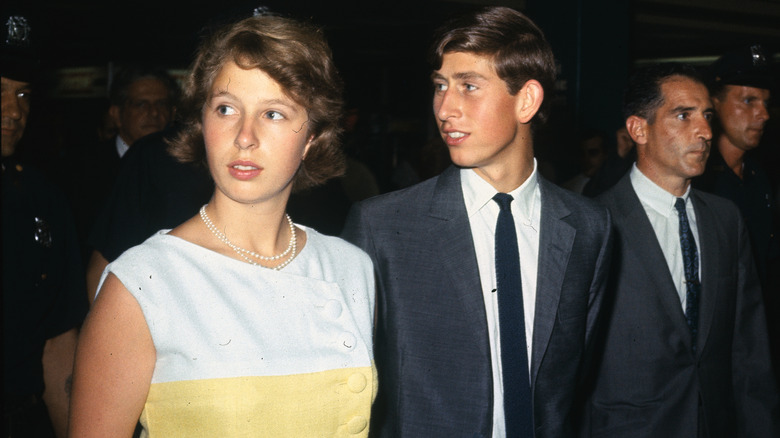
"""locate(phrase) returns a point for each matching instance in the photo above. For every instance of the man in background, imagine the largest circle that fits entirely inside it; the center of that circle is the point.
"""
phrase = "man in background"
(142, 102)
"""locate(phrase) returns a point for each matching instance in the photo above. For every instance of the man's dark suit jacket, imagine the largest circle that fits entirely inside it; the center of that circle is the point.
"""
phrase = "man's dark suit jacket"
(650, 383)
(432, 347)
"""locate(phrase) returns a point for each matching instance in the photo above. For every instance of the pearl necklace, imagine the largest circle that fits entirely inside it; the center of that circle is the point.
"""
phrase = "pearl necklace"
(245, 253)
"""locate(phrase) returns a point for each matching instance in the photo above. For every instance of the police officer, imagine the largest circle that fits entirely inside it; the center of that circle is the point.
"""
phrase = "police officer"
(740, 84)
(43, 284)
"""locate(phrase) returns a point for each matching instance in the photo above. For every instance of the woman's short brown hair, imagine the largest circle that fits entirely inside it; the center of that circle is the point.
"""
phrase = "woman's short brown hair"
(514, 43)
(296, 56)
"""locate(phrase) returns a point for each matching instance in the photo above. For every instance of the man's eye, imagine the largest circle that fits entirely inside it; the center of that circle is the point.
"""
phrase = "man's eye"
(682, 116)
(439, 87)
(274, 115)
(470, 87)
(139, 104)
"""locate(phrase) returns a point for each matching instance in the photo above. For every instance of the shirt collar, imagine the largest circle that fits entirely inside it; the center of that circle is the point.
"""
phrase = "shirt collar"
(653, 195)
(121, 146)
(477, 192)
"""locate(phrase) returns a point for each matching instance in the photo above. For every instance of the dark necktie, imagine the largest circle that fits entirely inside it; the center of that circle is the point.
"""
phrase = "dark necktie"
(691, 263)
(511, 319)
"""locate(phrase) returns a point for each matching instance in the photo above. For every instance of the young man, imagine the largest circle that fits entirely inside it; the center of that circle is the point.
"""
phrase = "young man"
(685, 352)
(484, 318)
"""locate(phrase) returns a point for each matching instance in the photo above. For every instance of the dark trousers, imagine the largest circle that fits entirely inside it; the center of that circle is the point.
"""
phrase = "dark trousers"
(26, 417)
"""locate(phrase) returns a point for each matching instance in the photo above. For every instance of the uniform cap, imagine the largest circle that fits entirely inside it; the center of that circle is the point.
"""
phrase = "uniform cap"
(18, 58)
(747, 66)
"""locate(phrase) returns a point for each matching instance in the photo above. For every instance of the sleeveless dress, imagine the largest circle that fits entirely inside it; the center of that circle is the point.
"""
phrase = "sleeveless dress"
(245, 351)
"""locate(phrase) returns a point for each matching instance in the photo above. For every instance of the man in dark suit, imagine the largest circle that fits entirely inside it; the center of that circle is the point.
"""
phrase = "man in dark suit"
(472, 300)
(685, 352)
(142, 102)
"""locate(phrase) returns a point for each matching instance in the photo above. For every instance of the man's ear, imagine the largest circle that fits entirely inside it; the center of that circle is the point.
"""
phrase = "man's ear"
(115, 112)
(529, 99)
(716, 102)
(637, 129)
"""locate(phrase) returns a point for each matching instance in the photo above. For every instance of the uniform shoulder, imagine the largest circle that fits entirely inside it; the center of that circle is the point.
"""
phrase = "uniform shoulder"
(32, 182)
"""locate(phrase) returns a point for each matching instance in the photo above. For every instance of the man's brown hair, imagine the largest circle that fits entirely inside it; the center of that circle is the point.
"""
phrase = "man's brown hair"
(515, 44)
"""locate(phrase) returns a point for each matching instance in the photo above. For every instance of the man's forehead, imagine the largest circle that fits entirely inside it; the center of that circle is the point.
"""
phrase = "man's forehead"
(745, 90)
(147, 84)
(12, 83)
(682, 85)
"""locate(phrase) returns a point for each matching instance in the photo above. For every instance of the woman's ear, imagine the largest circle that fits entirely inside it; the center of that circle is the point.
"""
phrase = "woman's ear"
(529, 99)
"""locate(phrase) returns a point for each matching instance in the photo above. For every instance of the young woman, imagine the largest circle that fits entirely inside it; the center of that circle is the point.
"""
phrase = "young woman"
(239, 322)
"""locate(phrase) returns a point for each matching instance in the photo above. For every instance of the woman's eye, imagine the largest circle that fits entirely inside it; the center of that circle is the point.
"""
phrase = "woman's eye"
(225, 110)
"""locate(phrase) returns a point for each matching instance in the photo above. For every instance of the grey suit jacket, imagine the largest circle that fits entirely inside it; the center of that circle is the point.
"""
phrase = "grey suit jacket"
(649, 382)
(432, 346)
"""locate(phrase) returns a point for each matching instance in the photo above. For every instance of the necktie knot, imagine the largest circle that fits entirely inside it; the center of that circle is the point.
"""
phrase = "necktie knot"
(503, 200)
(679, 204)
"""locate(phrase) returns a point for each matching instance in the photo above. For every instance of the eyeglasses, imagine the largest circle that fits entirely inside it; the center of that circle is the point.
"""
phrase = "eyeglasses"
(147, 105)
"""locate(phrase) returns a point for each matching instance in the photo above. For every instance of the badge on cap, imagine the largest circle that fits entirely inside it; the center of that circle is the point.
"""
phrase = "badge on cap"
(757, 55)
(17, 31)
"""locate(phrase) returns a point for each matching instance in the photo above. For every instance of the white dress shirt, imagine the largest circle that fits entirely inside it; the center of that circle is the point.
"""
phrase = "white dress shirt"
(121, 146)
(483, 213)
(659, 207)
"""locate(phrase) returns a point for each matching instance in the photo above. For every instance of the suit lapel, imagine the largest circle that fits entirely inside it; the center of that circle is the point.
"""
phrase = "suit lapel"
(556, 238)
(646, 255)
(450, 230)
(708, 262)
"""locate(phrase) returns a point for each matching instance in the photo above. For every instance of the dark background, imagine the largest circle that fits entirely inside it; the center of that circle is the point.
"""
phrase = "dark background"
(380, 50)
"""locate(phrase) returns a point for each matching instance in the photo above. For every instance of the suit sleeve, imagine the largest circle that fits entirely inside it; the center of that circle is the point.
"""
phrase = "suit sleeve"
(755, 388)
(357, 231)
(600, 278)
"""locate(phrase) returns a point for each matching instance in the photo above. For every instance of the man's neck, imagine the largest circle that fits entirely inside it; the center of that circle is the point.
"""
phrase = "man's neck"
(675, 185)
(511, 171)
(732, 155)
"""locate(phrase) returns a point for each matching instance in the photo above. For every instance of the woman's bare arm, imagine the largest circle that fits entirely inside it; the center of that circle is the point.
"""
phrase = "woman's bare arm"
(114, 363)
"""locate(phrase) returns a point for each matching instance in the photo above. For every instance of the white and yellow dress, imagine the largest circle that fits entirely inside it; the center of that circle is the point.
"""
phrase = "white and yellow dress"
(245, 351)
